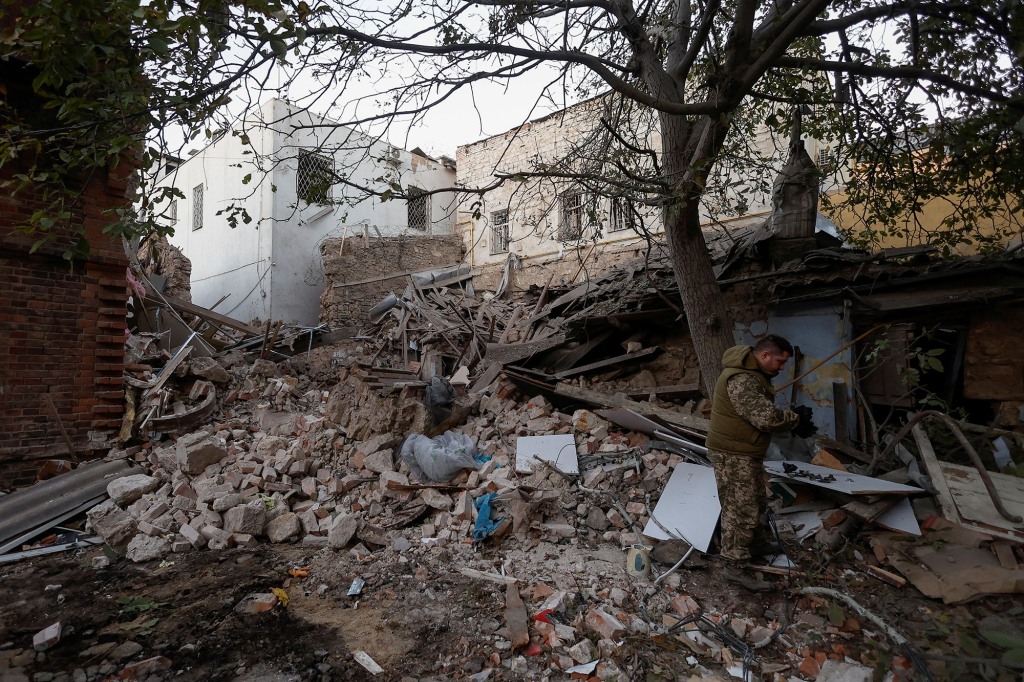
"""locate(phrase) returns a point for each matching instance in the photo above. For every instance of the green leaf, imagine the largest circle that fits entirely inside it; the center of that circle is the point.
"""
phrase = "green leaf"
(836, 615)
(1002, 640)
(279, 47)
(1014, 658)
(247, 179)
(158, 45)
(970, 646)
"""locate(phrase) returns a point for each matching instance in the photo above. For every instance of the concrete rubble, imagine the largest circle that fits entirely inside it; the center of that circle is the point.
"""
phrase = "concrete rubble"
(239, 451)
(280, 465)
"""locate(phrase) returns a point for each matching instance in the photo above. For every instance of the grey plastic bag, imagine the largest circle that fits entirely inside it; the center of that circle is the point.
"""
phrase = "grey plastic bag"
(439, 459)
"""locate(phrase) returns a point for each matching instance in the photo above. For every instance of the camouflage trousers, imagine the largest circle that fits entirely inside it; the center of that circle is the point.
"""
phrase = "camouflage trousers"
(742, 495)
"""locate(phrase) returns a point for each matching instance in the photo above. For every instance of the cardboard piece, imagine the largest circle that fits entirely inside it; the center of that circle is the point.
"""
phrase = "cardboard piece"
(688, 506)
(950, 572)
(831, 479)
(559, 450)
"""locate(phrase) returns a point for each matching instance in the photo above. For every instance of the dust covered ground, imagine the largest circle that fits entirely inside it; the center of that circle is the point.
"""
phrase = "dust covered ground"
(418, 617)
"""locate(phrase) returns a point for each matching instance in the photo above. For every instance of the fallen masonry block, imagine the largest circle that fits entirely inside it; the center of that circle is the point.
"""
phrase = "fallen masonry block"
(226, 502)
(401, 479)
(125, 490)
(249, 518)
(685, 605)
(197, 451)
(243, 540)
(116, 528)
(839, 671)
(338, 486)
(144, 548)
(192, 535)
(214, 534)
(435, 499)
(559, 530)
(604, 623)
(283, 527)
(342, 529)
(583, 651)
(380, 461)
(308, 487)
(155, 512)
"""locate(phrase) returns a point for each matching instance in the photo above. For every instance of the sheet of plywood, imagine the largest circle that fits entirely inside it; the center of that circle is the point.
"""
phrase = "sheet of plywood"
(559, 450)
(688, 506)
(840, 481)
(976, 508)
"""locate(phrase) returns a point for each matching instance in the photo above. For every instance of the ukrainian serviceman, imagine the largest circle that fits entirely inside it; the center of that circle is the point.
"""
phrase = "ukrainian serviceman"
(743, 418)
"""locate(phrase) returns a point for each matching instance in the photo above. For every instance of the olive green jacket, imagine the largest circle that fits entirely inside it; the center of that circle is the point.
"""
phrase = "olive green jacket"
(745, 429)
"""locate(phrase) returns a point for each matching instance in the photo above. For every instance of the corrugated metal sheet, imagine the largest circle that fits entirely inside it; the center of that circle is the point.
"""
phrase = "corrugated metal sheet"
(32, 510)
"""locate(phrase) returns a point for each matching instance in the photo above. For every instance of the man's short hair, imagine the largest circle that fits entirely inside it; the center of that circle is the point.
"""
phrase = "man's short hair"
(776, 345)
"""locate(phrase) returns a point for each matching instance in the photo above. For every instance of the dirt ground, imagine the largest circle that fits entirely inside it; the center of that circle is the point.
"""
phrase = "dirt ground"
(420, 619)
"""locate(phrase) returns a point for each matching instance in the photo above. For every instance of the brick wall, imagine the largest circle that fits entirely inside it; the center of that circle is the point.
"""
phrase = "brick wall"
(61, 330)
(360, 274)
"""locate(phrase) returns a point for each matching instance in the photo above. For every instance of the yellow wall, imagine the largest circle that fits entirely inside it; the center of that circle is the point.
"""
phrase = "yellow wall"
(925, 223)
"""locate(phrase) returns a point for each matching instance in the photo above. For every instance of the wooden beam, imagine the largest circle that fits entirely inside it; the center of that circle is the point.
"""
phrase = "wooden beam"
(618, 400)
(205, 313)
(676, 390)
(618, 359)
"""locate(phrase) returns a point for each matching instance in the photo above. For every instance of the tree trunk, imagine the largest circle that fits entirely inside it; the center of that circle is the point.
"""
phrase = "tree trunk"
(710, 327)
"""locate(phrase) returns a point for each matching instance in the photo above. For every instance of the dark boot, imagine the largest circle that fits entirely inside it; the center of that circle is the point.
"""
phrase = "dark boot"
(736, 575)
(766, 548)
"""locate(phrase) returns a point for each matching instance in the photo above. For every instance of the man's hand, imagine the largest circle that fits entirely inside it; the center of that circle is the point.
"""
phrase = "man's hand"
(805, 428)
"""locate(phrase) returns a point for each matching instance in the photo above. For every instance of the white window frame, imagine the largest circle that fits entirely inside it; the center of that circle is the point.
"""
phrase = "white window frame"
(501, 232)
(314, 178)
(197, 207)
(418, 209)
(573, 219)
(621, 215)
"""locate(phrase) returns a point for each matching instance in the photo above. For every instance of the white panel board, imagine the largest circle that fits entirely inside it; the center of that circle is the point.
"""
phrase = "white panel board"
(559, 450)
(689, 505)
(900, 517)
(832, 479)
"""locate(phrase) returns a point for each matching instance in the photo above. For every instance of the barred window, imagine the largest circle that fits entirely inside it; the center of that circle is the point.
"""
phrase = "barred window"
(314, 178)
(197, 207)
(419, 209)
(172, 212)
(825, 157)
(623, 215)
(500, 232)
(573, 217)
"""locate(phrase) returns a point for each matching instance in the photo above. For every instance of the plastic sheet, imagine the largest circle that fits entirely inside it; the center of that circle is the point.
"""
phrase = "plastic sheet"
(439, 459)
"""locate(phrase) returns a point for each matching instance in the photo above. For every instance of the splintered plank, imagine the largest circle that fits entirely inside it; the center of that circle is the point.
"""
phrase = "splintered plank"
(618, 359)
(675, 391)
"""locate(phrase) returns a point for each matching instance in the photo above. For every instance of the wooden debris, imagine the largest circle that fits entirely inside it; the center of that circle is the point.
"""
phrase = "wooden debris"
(884, 575)
(516, 617)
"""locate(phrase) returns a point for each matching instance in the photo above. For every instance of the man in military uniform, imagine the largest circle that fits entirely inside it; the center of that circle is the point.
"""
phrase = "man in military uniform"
(743, 418)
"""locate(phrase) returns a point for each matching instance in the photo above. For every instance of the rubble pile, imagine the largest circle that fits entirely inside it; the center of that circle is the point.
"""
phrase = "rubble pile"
(533, 472)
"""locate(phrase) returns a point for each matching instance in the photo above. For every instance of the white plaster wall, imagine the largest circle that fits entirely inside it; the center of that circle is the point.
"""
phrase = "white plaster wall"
(225, 260)
(272, 266)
